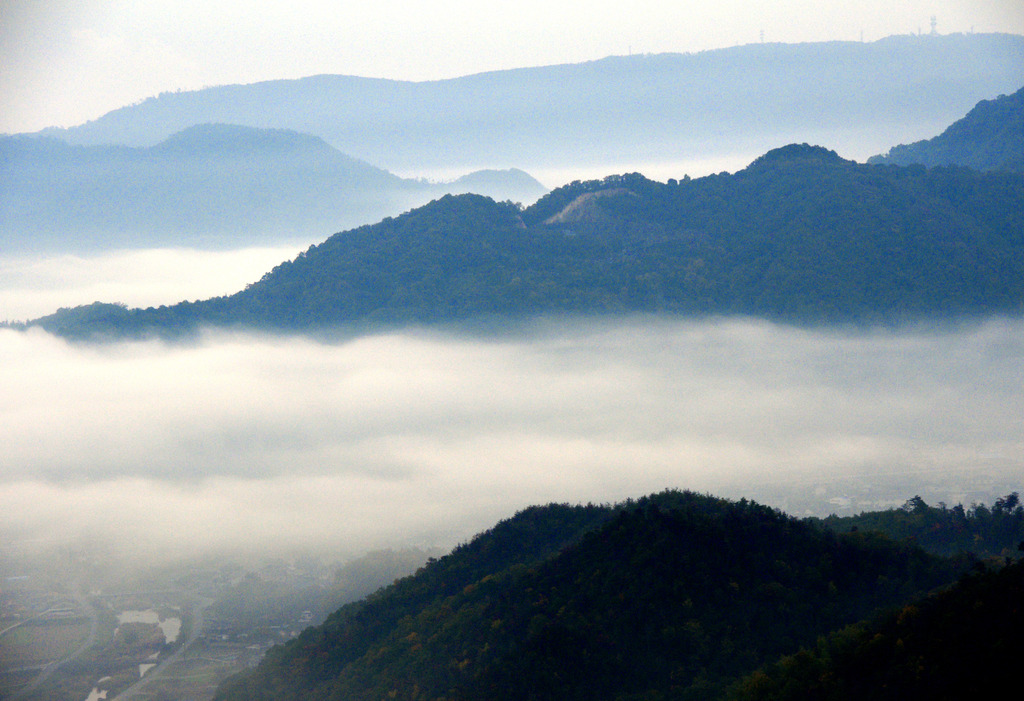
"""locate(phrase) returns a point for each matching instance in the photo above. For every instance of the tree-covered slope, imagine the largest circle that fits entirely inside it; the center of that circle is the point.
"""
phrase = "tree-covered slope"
(531, 536)
(988, 532)
(964, 643)
(990, 137)
(800, 234)
(671, 596)
(210, 186)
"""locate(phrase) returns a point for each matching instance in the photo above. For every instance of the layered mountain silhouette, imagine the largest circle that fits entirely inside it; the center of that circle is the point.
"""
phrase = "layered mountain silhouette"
(989, 137)
(673, 596)
(857, 97)
(799, 235)
(212, 186)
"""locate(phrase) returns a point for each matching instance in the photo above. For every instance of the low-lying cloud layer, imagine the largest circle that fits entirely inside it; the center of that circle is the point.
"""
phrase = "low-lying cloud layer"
(33, 286)
(426, 437)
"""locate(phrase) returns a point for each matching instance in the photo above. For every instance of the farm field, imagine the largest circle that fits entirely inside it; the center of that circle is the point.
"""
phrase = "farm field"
(37, 643)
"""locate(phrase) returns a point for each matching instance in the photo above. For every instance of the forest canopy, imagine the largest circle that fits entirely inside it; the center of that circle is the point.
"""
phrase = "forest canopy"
(800, 235)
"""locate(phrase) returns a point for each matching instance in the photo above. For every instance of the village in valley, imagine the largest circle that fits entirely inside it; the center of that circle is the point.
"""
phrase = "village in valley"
(69, 632)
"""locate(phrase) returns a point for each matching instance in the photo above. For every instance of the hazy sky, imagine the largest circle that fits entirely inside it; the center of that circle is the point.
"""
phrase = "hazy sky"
(68, 61)
(427, 438)
(33, 286)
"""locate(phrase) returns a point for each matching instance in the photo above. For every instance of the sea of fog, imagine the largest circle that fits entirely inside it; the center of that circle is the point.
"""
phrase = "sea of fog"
(35, 285)
(425, 437)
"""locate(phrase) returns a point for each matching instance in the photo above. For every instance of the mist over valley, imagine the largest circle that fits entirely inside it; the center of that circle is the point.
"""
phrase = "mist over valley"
(602, 380)
(32, 285)
(425, 437)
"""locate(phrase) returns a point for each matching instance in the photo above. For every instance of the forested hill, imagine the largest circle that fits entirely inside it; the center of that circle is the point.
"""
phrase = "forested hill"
(990, 137)
(669, 597)
(800, 235)
(963, 643)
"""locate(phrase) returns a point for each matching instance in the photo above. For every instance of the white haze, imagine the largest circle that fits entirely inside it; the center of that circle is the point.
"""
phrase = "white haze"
(424, 438)
(33, 286)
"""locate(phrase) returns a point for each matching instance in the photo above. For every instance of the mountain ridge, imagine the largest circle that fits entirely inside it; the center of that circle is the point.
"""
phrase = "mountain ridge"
(800, 236)
(989, 137)
(209, 185)
(611, 109)
(672, 595)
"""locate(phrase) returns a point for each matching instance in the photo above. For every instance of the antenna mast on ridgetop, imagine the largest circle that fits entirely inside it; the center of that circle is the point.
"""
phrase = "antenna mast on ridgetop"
(934, 24)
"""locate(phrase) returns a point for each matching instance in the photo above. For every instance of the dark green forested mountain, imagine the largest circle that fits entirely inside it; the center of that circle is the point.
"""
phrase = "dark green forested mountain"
(669, 597)
(994, 531)
(800, 234)
(212, 185)
(990, 137)
(964, 643)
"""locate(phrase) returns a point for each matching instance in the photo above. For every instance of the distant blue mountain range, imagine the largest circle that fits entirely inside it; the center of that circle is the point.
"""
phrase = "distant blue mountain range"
(213, 186)
(855, 97)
